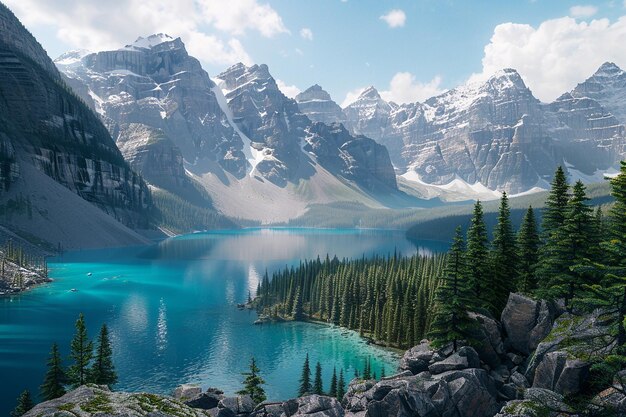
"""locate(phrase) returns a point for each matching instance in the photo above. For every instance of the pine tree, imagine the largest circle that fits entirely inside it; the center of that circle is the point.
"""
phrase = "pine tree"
(451, 322)
(477, 259)
(55, 379)
(305, 378)
(556, 203)
(341, 386)
(367, 372)
(81, 353)
(298, 311)
(318, 385)
(24, 404)
(610, 293)
(528, 243)
(253, 383)
(504, 257)
(572, 248)
(550, 262)
(103, 371)
(333, 384)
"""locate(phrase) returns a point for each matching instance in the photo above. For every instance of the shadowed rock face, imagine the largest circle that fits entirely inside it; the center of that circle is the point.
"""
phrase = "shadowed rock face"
(156, 83)
(43, 123)
(291, 142)
(497, 132)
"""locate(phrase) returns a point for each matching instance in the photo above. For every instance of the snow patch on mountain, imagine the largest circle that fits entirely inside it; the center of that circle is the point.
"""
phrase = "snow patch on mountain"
(253, 155)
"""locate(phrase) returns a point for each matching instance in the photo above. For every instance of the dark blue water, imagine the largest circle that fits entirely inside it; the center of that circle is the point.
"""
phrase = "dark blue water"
(171, 310)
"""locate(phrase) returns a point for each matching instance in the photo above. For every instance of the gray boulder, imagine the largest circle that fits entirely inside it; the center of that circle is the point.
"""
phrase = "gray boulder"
(310, 405)
(206, 400)
(464, 393)
(417, 358)
(526, 322)
(489, 344)
(241, 405)
(559, 373)
(465, 358)
(187, 391)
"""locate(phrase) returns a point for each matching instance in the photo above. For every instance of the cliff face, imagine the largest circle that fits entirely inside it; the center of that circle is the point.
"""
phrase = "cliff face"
(45, 125)
(154, 82)
(278, 129)
(497, 133)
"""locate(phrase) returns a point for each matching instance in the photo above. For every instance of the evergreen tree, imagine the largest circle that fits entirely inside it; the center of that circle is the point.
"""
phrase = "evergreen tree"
(341, 386)
(550, 262)
(55, 379)
(610, 293)
(367, 372)
(504, 257)
(382, 372)
(528, 243)
(81, 353)
(253, 383)
(451, 322)
(318, 385)
(298, 310)
(477, 257)
(24, 404)
(103, 370)
(333, 384)
(305, 378)
(572, 249)
(556, 203)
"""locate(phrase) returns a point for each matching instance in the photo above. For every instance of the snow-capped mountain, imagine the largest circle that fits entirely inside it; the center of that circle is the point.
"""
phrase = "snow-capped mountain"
(241, 139)
(608, 87)
(317, 104)
(369, 114)
(495, 133)
(154, 82)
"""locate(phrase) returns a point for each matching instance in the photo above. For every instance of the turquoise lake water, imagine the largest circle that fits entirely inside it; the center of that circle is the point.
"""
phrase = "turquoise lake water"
(171, 310)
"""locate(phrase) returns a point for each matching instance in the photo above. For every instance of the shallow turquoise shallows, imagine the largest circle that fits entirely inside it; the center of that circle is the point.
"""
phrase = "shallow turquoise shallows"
(171, 310)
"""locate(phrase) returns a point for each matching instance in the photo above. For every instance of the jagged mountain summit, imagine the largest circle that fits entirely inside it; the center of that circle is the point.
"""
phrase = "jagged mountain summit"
(606, 86)
(61, 170)
(242, 140)
(317, 104)
(492, 134)
(154, 82)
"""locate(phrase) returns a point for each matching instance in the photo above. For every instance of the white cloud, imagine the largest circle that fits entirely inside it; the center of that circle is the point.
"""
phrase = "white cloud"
(209, 28)
(395, 18)
(555, 56)
(404, 88)
(288, 90)
(299, 51)
(306, 33)
(583, 11)
(351, 96)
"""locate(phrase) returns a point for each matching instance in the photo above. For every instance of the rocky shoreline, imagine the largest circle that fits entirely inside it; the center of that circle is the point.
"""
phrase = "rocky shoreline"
(531, 363)
(15, 279)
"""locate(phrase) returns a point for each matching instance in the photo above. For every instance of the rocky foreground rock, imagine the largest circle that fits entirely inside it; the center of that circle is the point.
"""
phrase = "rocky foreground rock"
(531, 363)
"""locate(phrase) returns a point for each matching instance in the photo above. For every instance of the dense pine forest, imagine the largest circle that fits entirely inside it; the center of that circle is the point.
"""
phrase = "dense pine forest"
(577, 256)
(385, 298)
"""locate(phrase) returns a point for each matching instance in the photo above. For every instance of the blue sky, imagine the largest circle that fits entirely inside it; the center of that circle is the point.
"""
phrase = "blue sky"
(346, 45)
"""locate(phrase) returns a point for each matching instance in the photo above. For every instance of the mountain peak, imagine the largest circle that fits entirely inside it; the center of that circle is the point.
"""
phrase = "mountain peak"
(370, 92)
(151, 41)
(608, 69)
(315, 92)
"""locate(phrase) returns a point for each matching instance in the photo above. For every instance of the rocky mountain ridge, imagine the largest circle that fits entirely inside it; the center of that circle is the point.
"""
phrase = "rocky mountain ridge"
(48, 135)
(528, 364)
(497, 133)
